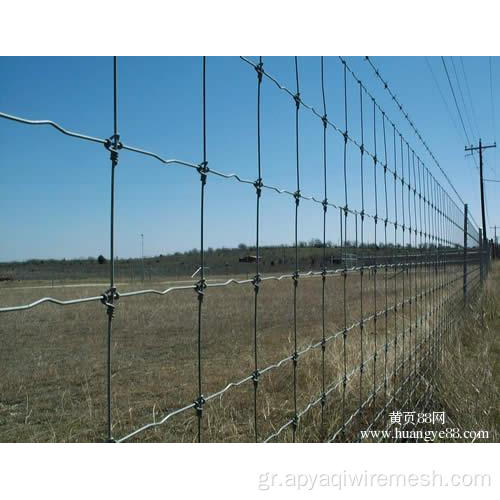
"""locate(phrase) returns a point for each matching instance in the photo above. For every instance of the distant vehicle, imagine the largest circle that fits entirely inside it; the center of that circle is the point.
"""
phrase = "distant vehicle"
(250, 258)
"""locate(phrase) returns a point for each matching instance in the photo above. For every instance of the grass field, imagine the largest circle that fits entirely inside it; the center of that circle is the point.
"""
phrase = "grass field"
(53, 370)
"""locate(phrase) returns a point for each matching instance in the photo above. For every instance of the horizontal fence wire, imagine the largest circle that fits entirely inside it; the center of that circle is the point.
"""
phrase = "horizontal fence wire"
(426, 256)
(412, 125)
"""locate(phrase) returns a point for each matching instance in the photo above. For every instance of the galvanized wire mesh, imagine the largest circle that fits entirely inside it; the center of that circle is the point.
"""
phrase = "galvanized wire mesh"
(422, 257)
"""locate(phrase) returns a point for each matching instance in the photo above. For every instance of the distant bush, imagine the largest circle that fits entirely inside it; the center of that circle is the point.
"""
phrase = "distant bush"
(101, 259)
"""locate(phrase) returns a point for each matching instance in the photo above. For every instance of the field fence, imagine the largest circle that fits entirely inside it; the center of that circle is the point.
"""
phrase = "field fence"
(411, 251)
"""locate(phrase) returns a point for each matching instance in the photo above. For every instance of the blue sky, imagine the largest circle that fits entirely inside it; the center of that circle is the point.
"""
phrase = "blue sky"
(55, 196)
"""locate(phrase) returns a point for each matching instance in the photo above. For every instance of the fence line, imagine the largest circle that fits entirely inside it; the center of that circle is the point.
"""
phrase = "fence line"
(413, 126)
(437, 258)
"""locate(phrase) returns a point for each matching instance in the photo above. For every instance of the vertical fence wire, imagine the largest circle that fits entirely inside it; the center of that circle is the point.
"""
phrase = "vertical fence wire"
(110, 295)
(396, 270)
(408, 268)
(361, 270)
(415, 267)
(421, 266)
(257, 279)
(433, 271)
(375, 225)
(344, 251)
(436, 272)
(201, 285)
(323, 267)
(386, 269)
(428, 291)
(296, 274)
(403, 262)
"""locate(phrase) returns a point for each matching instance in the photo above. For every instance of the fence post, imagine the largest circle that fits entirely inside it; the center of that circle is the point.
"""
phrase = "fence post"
(466, 217)
(481, 245)
(489, 258)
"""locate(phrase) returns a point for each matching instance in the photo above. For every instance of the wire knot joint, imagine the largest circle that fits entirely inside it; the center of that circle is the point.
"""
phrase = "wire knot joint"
(297, 196)
(198, 405)
(203, 171)
(256, 282)
(323, 399)
(108, 298)
(260, 71)
(258, 184)
(113, 145)
(255, 377)
(323, 344)
(296, 98)
(200, 288)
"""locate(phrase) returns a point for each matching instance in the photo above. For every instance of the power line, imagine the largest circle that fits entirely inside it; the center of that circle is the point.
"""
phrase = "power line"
(469, 93)
(493, 113)
(492, 102)
(467, 117)
(455, 99)
(457, 106)
(409, 120)
(450, 114)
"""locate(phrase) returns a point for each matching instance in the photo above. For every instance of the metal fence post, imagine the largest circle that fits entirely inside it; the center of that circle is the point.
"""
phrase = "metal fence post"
(489, 258)
(466, 217)
(481, 245)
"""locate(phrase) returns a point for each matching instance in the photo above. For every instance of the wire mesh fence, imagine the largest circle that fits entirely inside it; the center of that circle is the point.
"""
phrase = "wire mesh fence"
(409, 257)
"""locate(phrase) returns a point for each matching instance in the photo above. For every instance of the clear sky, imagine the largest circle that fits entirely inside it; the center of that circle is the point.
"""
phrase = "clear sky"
(55, 189)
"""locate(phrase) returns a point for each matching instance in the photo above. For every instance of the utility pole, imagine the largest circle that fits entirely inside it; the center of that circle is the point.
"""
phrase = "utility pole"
(495, 245)
(495, 228)
(480, 149)
(142, 255)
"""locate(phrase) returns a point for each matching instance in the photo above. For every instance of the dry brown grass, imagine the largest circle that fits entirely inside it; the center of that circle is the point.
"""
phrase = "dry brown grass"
(52, 361)
(468, 378)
